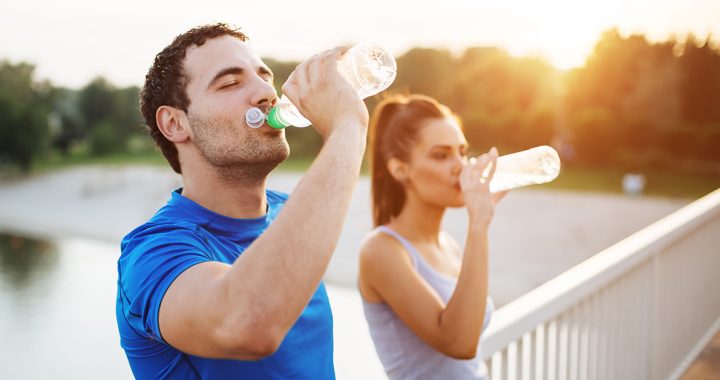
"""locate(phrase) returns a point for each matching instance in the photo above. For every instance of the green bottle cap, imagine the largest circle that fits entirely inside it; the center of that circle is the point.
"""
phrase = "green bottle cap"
(274, 121)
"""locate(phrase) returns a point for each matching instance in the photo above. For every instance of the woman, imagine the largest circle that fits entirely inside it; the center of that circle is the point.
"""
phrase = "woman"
(426, 301)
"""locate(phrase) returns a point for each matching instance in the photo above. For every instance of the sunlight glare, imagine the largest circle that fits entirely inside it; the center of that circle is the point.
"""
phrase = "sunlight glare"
(564, 31)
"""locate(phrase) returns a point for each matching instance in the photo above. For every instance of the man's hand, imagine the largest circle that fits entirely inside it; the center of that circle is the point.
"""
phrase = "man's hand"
(323, 96)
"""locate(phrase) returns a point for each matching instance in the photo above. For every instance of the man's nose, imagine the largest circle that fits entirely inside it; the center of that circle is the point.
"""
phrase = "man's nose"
(264, 94)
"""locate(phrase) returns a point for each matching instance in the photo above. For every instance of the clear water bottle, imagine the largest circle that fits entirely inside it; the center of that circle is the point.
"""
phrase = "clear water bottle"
(529, 167)
(368, 68)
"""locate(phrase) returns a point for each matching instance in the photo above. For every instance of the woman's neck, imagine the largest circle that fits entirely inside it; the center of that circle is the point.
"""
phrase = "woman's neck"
(419, 222)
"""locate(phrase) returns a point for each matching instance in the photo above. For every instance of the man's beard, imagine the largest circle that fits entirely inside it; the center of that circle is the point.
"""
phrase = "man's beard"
(237, 156)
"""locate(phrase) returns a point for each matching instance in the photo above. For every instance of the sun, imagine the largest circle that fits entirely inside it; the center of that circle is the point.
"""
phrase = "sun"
(565, 31)
(567, 44)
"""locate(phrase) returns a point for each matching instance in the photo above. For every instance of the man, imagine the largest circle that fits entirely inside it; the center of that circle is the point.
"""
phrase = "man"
(224, 282)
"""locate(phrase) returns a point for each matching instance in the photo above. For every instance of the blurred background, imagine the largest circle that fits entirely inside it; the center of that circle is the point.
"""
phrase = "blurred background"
(615, 86)
(628, 92)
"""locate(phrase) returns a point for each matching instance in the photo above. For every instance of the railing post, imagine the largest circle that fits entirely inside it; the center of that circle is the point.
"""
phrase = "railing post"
(653, 359)
(540, 351)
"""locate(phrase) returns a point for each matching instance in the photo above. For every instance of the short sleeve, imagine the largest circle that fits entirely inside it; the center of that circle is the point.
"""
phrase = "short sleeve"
(151, 260)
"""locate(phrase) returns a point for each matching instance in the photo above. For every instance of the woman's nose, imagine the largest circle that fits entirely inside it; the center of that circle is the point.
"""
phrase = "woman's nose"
(458, 164)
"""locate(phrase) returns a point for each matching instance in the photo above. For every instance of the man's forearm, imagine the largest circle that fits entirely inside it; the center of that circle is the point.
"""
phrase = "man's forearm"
(291, 256)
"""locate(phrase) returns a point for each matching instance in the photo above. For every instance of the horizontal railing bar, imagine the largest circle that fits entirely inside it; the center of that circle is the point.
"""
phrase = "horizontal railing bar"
(510, 322)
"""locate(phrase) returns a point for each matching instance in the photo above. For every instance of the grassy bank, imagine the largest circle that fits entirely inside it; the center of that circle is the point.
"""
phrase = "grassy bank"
(665, 184)
(657, 183)
(56, 162)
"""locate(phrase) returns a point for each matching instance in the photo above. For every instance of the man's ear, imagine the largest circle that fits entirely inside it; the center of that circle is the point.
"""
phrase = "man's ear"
(398, 169)
(172, 123)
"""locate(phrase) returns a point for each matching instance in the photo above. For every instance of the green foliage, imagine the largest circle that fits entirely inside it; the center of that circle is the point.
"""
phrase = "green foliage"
(658, 182)
(501, 100)
(281, 71)
(71, 127)
(126, 116)
(634, 105)
(425, 71)
(111, 115)
(24, 109)
(104, 139)
(597, 134)
(97, 101)
(700, 89)
(661, 102)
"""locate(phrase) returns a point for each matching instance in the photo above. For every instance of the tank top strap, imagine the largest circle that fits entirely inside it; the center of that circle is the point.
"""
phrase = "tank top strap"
(405, 243)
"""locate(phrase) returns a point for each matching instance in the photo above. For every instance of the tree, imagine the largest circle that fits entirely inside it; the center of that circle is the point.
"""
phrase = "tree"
(625, 99)
(111, 115)
(425, 71)
(701, 81)
(72, 127)
(24, 110)
(126, 115)
(97, 101)
(505, 101)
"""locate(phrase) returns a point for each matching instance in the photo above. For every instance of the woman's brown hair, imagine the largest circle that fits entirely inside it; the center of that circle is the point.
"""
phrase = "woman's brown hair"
(394, 129)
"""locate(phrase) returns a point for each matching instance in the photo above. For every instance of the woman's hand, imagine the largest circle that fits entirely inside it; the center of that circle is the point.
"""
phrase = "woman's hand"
(475, 183)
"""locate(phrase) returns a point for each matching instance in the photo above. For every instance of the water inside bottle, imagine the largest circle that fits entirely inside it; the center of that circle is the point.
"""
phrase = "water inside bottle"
(504, 181)
(533, 166)
(371, 86)
(371, 70)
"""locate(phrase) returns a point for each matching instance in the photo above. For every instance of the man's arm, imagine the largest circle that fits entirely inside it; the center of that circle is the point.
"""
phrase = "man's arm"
(244, 310)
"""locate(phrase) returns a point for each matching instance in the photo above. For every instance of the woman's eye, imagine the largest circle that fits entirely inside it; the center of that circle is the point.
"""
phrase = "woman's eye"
(439, 156)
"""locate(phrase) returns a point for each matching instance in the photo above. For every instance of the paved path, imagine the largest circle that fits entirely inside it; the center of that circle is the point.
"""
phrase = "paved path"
(707, 364)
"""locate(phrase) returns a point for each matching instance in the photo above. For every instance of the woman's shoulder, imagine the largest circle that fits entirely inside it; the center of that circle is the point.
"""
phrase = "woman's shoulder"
(379, 246)
(378, 238)
(382, 257)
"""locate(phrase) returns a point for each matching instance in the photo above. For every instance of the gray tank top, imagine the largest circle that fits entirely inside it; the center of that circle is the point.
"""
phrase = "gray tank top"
(402, 353)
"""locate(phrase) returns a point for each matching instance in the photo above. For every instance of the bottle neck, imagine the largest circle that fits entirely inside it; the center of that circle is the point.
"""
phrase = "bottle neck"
(275, 120)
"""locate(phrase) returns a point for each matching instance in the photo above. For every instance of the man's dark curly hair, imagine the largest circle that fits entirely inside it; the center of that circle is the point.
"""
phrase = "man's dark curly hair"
(166, 80)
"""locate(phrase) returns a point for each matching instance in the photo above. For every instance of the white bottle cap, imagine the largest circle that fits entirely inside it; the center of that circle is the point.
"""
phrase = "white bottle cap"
(254, 117)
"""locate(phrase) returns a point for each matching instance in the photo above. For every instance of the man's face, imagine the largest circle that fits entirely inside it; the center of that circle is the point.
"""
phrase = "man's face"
(226, 78)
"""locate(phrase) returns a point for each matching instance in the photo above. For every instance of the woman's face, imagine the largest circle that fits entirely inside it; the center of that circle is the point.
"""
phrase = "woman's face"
(433, 171)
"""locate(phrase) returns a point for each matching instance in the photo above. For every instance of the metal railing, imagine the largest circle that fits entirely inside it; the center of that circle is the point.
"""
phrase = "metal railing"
(642, 309)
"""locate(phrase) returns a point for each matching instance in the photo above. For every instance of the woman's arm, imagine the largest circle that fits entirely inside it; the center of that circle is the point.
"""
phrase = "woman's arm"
(386, 273)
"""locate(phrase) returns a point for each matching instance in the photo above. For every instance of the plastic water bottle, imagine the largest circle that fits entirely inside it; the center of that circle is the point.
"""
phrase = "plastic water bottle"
(368, 68)
(529, 167)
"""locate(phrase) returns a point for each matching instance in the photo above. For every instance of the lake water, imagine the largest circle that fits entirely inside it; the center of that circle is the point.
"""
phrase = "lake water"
(57, 310)
(57, 315)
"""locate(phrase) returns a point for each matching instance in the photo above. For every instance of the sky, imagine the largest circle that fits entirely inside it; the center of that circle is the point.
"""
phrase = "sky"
(73, 41)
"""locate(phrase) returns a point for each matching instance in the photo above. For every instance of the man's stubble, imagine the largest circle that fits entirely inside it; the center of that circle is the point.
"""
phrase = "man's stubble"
(238, 155)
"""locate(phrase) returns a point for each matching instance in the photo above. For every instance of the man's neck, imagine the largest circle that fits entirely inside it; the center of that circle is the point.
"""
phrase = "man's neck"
(230, 194)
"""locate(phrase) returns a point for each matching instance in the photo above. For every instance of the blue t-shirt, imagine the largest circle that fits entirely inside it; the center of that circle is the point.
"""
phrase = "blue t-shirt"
(183, 234)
